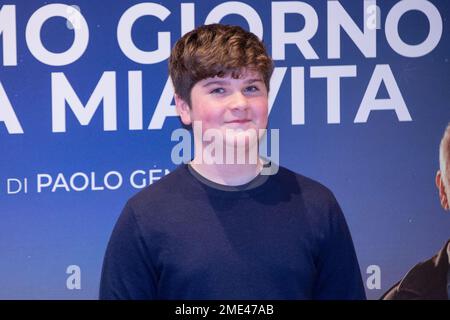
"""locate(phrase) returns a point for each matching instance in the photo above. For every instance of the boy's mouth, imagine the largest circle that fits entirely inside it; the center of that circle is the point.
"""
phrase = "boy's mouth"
(238, 121)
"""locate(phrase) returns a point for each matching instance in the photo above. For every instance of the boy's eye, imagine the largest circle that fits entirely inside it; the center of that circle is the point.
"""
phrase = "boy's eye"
(218, 90)
(252, 89)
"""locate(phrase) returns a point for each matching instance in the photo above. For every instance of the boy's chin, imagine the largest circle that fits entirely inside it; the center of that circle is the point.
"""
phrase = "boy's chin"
(240, 141)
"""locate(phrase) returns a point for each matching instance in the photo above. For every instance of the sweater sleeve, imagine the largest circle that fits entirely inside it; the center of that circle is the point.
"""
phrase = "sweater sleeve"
(339, 275)
(128, 272)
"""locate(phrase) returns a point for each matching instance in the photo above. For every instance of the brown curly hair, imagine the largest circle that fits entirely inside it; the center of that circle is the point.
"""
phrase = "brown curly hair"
(216, 50)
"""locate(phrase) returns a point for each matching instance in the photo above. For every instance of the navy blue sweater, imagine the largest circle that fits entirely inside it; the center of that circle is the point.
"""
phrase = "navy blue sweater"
(279, 237)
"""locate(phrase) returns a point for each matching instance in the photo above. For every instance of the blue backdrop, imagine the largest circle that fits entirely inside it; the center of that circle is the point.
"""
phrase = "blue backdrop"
(85, 105)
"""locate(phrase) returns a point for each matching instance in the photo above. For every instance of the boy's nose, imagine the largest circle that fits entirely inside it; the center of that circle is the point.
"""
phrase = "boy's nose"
(239, 101)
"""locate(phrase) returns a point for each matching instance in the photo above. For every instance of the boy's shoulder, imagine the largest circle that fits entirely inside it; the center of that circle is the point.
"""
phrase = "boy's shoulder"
(162, 190)
(309, 187)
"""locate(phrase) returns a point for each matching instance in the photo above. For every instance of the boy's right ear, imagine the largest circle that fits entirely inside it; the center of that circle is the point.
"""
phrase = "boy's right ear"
(183, 110)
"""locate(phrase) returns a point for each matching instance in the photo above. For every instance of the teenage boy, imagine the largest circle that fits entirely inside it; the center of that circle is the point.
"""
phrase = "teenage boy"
(218, 228)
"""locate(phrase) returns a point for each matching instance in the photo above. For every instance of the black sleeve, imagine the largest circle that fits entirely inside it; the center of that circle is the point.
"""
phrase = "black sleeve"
(128, 272)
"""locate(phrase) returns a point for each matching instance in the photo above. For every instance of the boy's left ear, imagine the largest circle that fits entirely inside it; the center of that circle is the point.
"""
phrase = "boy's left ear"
(183, 110)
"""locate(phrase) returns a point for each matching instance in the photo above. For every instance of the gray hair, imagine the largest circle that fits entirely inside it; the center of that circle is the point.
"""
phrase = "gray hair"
(444, 153)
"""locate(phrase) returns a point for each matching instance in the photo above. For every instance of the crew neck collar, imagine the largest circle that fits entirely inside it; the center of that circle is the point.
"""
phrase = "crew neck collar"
(252, 187)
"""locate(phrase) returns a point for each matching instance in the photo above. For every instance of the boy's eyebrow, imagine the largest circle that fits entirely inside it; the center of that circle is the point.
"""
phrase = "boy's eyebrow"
(253, 80)
(225, 82)
(213, 82)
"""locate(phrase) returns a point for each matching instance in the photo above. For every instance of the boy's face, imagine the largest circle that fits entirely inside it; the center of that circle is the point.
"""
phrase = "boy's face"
(227, 103)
